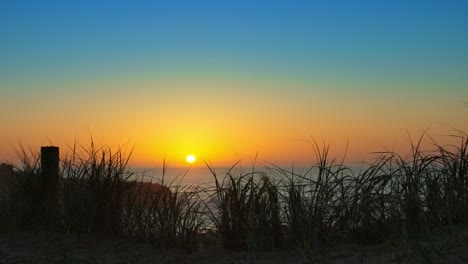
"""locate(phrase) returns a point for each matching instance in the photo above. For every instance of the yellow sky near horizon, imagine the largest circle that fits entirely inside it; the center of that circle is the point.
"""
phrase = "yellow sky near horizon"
(192, 117)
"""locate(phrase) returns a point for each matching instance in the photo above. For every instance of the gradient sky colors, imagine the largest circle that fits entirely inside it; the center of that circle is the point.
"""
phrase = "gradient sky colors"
(225, 79)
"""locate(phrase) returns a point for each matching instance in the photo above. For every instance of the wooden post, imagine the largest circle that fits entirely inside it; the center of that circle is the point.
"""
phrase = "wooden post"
(50, 177)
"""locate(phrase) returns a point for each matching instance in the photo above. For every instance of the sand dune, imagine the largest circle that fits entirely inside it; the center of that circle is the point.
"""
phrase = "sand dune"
(48, 247)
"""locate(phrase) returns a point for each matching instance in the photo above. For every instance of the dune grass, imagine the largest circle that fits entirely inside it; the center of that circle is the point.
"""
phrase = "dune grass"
(245, 209)
(394, 200)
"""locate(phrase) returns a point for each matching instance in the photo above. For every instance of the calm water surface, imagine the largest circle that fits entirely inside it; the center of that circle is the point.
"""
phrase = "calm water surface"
(202, 176)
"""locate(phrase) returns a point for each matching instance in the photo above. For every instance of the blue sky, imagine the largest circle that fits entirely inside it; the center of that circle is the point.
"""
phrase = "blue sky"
(351, 40)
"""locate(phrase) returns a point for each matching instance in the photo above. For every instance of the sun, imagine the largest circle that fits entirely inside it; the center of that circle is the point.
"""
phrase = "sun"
(190, 158)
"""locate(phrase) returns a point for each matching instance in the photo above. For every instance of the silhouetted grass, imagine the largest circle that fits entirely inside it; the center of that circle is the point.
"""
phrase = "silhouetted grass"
(245, 209)
(394, 200)
(168, 216)
(92, 184)
(24, 192)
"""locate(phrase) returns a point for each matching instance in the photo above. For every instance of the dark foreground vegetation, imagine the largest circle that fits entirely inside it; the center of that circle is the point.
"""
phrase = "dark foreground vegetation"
(394, 200)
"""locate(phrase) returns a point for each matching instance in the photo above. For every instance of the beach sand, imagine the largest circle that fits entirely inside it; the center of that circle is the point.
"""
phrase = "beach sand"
(49, 247)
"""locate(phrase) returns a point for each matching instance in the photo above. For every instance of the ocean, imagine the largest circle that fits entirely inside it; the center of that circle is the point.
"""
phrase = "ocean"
(203, 177)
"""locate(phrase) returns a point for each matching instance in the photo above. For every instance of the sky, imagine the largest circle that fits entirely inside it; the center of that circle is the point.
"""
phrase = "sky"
(226, 80)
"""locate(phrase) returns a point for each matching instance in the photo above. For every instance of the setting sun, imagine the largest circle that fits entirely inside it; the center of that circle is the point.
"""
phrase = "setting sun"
(190, 158)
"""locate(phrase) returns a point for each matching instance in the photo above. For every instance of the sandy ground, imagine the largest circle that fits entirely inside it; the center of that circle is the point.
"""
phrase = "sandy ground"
(44, 247)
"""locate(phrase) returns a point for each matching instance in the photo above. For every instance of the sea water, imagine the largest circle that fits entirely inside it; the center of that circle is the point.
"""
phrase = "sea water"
(202, 177)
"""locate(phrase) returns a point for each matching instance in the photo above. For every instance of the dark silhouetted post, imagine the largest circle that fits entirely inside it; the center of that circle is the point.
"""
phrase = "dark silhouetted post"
(50, 177)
